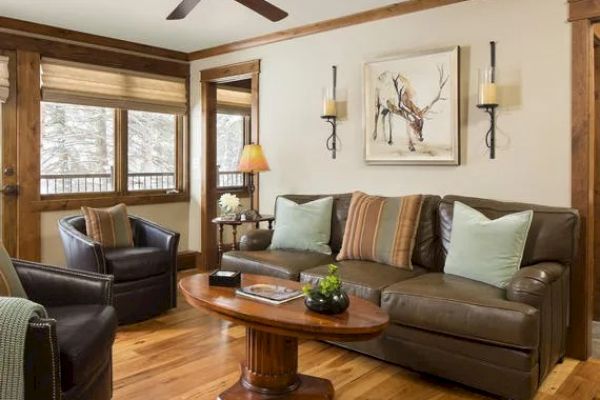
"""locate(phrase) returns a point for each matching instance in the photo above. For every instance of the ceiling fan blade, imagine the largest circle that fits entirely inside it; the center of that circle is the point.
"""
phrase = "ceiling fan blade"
(183, 9)
(265, 9)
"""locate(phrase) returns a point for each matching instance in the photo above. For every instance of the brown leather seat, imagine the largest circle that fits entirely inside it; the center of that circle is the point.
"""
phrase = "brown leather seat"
(464, 308)
(82, 355)
(125, 263)
(285, 264)
(363, 278)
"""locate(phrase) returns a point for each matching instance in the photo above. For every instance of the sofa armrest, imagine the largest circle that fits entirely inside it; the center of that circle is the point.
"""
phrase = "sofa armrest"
(530, 284)
(53, 286)
(149, 234)
(545, 286)
(82, 252)
(42, 363)
(256, 239)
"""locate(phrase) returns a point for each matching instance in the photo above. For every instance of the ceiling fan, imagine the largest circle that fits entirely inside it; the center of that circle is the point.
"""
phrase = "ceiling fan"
(262, 7)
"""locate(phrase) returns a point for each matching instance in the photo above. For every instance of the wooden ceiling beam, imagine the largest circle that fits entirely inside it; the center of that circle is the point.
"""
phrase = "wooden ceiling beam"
(96, 56)
(81, 38)
(393, 10)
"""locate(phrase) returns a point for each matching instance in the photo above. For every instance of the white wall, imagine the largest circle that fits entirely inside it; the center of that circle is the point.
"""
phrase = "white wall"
(170, 215)
(533, 156)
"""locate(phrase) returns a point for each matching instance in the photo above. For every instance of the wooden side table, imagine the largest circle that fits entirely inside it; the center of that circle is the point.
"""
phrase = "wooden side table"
(222, 247)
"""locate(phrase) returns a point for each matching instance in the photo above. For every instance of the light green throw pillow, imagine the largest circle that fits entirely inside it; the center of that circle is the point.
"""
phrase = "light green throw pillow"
(486, 250)
(10, 285)
(303, 226)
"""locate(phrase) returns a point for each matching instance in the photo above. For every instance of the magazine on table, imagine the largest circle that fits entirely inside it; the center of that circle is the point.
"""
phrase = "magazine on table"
(272, 294)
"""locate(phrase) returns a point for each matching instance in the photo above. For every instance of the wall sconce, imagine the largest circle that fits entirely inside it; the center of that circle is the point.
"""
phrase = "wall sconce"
(488, 99)
(330, 114)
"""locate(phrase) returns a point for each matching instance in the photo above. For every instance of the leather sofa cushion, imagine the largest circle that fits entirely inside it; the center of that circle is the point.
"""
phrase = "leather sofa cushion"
(427, 249)
(463, 308)
(364, 279)
(552, 237)
(134, 263)
(85, 334)
(285, 264)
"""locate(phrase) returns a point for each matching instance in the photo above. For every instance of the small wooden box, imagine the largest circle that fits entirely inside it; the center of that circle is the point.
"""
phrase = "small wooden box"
(225, 278)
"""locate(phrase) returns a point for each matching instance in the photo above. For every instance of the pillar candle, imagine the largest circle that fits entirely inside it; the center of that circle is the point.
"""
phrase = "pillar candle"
(329, 108)
(488, 93)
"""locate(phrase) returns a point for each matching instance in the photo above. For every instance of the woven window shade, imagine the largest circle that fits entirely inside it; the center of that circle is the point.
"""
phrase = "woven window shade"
(4, 79)
(69, 82)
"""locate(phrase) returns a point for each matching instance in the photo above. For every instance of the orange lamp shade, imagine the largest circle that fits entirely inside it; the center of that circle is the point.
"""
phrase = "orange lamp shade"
(253, 159)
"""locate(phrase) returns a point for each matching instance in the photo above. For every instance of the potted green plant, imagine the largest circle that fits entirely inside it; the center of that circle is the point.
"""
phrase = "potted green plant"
(327, 297)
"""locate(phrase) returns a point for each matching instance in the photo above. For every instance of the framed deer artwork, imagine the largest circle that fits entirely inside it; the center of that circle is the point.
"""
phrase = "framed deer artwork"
(412, 113)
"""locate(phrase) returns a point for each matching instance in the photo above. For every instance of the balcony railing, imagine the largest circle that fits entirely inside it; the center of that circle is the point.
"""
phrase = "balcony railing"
(230, 179)
(95, 183)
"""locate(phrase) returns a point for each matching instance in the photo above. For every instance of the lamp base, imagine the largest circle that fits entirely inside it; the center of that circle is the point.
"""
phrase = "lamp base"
(250, 215)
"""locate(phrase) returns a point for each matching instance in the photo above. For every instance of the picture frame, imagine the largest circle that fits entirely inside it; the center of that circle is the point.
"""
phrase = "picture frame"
(412, 108)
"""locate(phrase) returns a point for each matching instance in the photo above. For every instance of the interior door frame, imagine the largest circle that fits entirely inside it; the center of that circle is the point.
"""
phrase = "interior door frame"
(209, 78)
(584, 179)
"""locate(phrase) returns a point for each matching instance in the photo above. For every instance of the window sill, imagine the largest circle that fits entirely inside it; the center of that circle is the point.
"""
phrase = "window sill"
(71, 202)
(240, 192)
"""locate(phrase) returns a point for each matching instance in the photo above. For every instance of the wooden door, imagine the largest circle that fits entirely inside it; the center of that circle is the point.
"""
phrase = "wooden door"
(8, 199)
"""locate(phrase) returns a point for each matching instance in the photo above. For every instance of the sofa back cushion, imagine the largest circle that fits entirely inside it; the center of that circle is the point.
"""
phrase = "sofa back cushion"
(427, 251)
(552, 237)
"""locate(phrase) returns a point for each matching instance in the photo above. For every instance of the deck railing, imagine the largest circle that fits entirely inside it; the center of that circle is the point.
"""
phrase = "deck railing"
(230, 179)
(95, 183)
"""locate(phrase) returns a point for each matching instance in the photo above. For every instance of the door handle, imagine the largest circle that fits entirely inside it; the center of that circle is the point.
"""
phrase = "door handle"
(10, 190)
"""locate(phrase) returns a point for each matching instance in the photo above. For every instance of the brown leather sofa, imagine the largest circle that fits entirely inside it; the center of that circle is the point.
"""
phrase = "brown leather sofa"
(68, 355)
(502, 341)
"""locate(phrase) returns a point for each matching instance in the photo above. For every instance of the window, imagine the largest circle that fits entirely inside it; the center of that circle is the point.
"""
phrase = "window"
(232, 134)
(111, 133)
(80, 146)
(77, 149)
(151, 151)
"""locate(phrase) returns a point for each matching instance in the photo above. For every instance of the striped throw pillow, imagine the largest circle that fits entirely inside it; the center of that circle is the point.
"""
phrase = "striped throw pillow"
(109, 226)
(381, 229)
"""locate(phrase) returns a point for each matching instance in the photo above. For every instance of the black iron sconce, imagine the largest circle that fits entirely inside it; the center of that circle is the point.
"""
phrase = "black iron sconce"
(488, 99)
(330, 115)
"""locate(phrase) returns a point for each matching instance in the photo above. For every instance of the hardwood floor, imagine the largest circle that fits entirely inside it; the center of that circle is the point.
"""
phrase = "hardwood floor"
(190, 354)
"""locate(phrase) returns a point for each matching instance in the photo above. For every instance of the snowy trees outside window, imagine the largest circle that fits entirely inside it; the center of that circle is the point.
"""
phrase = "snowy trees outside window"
(151, 150)
(231, 137)
(78, 149)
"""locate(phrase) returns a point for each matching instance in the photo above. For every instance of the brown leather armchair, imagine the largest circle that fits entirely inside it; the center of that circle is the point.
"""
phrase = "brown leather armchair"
(145, 275)
(60, 362)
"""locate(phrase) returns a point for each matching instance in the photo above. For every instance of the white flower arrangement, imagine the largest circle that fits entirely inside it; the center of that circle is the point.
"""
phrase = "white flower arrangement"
(229, 203)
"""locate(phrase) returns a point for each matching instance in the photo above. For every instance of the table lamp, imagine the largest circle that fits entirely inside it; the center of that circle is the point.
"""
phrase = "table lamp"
(252, 162)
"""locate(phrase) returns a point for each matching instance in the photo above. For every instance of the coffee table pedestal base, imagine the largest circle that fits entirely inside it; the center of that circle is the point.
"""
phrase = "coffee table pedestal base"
(310, 388)
(270, 372)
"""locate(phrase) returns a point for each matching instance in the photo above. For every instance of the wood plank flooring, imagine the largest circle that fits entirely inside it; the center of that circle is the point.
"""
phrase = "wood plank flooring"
(190, 354)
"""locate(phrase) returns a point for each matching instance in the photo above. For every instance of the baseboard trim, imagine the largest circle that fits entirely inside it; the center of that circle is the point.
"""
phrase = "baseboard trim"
(187, 259)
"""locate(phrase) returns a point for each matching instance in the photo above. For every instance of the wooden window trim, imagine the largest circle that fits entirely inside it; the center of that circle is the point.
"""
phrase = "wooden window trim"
(122, 194)
(208, 95)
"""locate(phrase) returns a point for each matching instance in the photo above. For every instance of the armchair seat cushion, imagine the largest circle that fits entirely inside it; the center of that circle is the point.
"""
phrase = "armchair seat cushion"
(285, 264)
(134, 263)
(462, 308)
(364, 279)
(85, 335)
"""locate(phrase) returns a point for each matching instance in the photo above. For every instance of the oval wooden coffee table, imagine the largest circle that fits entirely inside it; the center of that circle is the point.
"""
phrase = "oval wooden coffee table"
(270, 370)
